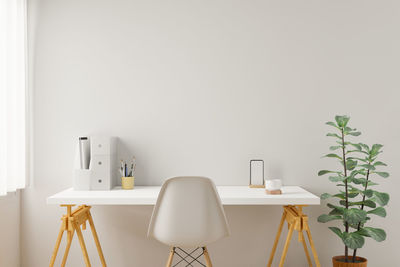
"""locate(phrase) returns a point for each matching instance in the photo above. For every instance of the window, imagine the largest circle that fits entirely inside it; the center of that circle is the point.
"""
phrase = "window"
(13, 95)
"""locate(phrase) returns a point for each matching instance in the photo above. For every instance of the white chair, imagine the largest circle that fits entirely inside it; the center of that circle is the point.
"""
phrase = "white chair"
(188, 213)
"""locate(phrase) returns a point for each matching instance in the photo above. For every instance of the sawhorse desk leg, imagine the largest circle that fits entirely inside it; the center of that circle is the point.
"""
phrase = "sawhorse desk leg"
(296, 220)
(72, 222)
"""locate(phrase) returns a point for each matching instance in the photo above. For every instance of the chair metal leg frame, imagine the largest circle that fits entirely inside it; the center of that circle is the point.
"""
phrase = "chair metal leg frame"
(296, 220)
(72, 222)
(186, 255)
(189, 255)
(182, 259)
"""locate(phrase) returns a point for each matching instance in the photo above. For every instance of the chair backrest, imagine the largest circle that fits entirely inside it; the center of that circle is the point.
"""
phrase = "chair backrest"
(188, 213)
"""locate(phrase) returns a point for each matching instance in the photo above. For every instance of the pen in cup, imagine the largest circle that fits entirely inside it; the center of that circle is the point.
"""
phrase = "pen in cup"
(133, 166)
(121, 170)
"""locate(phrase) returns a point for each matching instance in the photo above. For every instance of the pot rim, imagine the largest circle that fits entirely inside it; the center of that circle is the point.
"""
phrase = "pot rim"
(362, 259)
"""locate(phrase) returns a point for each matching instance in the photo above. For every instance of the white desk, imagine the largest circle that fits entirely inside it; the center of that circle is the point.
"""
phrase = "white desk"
(293, 199)
(147, 195)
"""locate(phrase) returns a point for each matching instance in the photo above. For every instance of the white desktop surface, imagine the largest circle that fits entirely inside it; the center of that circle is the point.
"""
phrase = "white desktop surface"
(147, 195)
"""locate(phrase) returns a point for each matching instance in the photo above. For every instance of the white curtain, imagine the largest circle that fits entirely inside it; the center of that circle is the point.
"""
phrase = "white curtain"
(13, 95)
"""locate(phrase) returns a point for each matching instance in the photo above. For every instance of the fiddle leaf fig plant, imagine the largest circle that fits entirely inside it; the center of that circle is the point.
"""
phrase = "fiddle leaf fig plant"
(357, 201)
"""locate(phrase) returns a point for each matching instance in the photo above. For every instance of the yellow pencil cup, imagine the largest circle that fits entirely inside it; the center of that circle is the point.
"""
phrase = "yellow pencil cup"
(128, 182)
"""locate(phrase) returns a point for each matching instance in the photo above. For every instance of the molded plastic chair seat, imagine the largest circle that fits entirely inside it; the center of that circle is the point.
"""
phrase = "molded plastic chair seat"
(188, 213)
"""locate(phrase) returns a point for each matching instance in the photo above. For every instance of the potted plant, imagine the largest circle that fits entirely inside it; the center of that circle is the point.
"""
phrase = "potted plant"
(357, 200)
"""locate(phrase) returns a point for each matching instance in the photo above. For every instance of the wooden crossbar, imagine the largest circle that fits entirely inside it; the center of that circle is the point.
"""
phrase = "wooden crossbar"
(297, 221)
(71, 223)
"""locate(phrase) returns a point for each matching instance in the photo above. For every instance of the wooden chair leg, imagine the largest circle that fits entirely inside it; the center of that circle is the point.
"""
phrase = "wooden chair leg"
(305, 249)
(171, 257)
(83, 246)
(287, 243)
(57, 246)
(70, 236)
(96, 240)
(207, 257)
(278, 235)
(314, 251)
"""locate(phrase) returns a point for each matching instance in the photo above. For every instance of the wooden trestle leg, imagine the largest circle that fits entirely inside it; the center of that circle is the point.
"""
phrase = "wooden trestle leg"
(296, 220)
(72, 222)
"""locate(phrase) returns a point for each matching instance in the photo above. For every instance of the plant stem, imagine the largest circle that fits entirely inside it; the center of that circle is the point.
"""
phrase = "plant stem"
(362, 208)
(346, 249)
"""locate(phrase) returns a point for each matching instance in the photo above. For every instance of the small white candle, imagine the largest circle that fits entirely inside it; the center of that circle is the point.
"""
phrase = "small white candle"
(273, 185)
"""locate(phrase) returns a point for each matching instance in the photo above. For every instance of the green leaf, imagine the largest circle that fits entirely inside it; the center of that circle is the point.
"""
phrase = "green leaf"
(342, 120)
(362, 172)
(336, 231)
(323, 172)
(336, 178)
(358, 151)
(351, 164)
(354, 173)
(383, 174)
(354, 216)
(375, 149)
(353, 240)
(379, 163)
(357, 146)
(365, 146)
(353, 189)
(359, 180)
(354, 133)
(369, 203)
(381, 198)
(356, 158)
(336, 210)
(363, 181)
(380, 211)
(333, 135)
(375, 233)
(325, 196)
(370, 183)
(334, 147)
(352, 194)
(332, 155)
(348, 129)
(327, 218)
(368, 166)
(340, 195)
(368, 192)
(331, 124)
(334, 207)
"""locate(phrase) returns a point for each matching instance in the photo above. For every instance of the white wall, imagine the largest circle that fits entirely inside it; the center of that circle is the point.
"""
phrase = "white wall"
(10, 230)
(200, 88)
